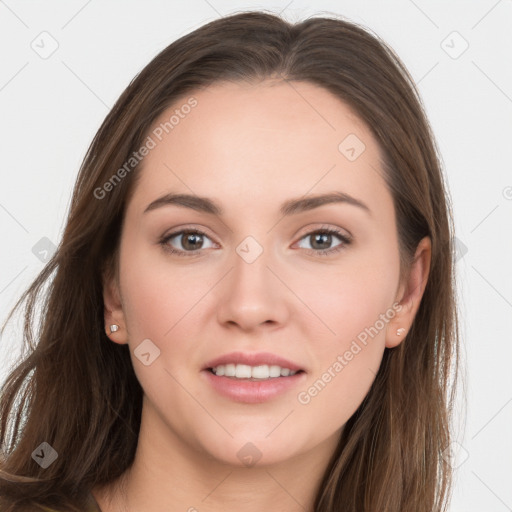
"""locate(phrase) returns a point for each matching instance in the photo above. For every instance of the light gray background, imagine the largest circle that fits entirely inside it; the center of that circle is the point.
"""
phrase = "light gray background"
(51, 107)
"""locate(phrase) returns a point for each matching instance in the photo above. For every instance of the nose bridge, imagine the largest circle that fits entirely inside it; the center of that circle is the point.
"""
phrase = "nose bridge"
(251, 260)
(252, 294)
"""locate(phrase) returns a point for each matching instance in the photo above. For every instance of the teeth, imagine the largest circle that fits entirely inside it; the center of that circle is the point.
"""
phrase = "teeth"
(244, 371)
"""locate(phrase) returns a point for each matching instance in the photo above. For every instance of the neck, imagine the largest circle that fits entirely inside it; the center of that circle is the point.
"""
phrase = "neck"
(170, 474)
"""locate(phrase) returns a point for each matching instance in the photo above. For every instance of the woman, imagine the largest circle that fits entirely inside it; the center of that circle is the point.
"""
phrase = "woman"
(253, 303)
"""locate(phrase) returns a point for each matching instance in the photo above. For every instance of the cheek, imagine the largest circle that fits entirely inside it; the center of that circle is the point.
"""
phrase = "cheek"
(357, 316)
(356, 305)
(351, 298)
(156, 292)
(166, 303)
(158, 303)
(346, 363)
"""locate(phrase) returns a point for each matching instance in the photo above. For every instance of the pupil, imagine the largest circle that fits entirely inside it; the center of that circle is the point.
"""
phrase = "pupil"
(190, 239)
(326, 243)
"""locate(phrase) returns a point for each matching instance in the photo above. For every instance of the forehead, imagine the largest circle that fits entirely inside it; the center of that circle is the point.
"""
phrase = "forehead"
(265, 142)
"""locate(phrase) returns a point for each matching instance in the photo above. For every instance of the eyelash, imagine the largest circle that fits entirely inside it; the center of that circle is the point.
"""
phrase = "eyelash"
(322, 252)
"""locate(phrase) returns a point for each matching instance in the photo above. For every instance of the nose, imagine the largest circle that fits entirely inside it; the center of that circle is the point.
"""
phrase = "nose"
(253, 294)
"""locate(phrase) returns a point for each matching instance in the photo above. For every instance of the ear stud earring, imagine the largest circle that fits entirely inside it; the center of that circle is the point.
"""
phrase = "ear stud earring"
(114, 328)
(400, 331)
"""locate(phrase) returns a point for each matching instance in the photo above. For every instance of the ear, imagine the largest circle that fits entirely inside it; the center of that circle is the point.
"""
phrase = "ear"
(113, 311)
(410, 294)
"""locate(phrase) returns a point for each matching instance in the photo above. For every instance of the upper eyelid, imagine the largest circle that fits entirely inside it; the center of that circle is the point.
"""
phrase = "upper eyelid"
(326, 227)
(172, 233)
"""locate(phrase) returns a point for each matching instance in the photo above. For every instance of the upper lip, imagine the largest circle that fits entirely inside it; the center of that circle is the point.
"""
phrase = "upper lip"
(253, 359)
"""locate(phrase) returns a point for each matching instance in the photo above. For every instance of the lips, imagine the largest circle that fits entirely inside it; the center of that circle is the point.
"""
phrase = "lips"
(253, 359)
(247, 391)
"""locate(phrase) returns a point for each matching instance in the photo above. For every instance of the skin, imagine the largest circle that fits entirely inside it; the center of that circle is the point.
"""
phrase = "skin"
(250, 148)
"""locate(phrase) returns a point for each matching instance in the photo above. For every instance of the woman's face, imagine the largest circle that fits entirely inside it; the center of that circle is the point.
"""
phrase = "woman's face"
(263, 276)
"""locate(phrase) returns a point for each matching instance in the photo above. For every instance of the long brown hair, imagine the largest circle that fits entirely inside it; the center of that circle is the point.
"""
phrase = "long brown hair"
(77, 391)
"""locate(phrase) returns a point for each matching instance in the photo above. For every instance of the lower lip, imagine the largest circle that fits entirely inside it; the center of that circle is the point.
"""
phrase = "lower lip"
(250, 391)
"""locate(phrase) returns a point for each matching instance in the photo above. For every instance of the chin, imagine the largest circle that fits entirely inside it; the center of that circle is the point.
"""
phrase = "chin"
(252, 450)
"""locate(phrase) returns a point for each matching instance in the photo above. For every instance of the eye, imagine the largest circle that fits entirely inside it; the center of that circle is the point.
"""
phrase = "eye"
(323, 238)
(190, 239)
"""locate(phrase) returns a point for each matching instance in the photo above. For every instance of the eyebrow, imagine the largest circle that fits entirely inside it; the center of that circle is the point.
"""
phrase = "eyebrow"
(290, 207)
